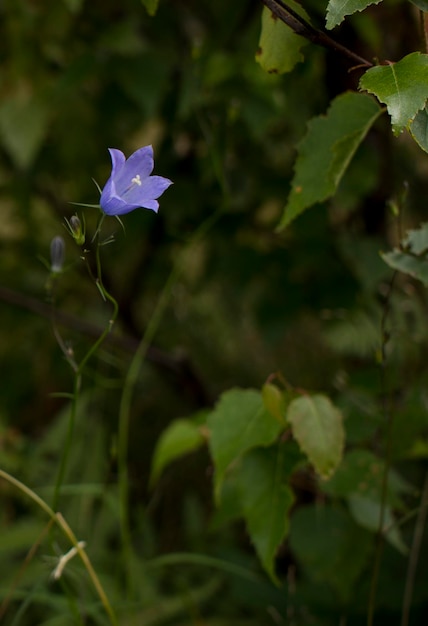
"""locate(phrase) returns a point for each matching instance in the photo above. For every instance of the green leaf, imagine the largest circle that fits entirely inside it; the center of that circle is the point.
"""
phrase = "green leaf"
(419, 129)
(238, 423)
(266, 501)
(275, 402)
(359, 479)
(317, 426)
(416, 239)
(180, 438)
(326, 151)
(415, 266)
(229, 508)
(330, 546)
(367, 512)
(402, 86)
(23, 127)
(337, 9)
(279, 47)
(151, 6)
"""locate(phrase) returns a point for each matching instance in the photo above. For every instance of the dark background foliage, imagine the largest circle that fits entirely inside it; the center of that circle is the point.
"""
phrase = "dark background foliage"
(79, 77)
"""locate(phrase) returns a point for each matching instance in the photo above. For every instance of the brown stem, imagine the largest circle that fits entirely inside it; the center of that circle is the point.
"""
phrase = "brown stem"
(301, 27)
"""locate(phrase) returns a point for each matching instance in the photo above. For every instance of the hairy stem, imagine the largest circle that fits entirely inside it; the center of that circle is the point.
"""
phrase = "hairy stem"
(78, 371)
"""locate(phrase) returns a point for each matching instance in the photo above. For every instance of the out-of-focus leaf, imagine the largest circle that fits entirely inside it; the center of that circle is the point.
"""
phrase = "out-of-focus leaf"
(402, 86)
(151, 6)
(23, 127)
(367, 511)
(421, 4)
(356, 334)
(266, 501)
(279, 47)
(326, 151)
(317, 426)
(74, 5)
(361, 473)
(180, 438)
(412, 258)
(229, 508)
(330, 546)
(20, 536)
(359, 479)
(417, 239)
(238, 423)
(337, 9)
(415, 266)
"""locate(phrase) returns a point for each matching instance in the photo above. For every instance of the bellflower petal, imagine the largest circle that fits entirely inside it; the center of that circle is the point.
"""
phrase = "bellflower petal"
(130, 185)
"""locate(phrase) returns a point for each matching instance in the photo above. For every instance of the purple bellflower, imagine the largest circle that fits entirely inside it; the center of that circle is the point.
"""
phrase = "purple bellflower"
(130, 185)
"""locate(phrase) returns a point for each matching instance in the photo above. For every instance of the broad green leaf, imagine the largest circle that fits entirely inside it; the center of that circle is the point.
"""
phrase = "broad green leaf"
(229, 508)
(266, 502)
(317, 426)
(180, 438)
(326, 151)
(238, 423)
(402, 86)
(23, 127)
(367, 512)
(330, 547)
(415, 266)
(279, 47)
(419, 128)
(337, 9)
(151, 6)
(275, 402)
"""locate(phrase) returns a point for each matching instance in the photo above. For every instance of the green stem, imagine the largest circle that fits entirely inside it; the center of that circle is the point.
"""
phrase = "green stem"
(68, 440)
(78, 370)
(389, 420)
(58, 519)
(414, 554)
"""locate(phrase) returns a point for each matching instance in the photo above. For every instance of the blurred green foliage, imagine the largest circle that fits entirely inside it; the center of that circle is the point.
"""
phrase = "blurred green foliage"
(313, 303)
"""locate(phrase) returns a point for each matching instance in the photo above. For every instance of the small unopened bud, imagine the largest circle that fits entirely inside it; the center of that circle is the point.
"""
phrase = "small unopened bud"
(76, 230)
(57, 254)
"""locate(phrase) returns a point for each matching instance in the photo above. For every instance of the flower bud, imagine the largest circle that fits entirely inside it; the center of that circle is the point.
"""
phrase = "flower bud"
(57, 254)
(76, 230)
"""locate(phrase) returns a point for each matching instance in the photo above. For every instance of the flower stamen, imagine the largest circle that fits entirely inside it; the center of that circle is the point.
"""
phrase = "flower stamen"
(137, 180)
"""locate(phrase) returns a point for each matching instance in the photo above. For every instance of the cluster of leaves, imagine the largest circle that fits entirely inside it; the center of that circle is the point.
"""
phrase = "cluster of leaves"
(247, 431)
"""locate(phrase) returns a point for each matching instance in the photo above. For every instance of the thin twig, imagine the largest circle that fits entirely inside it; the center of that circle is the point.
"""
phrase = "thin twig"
(389, 422)
(301, 27)
(414, 555)
(423, 30)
